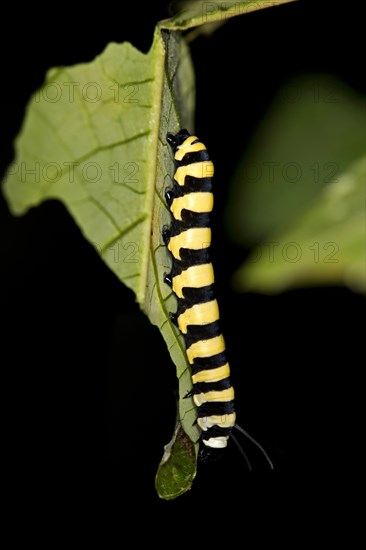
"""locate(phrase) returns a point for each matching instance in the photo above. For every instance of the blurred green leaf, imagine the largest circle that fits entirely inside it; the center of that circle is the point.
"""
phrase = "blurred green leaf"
(312, 133)
(325, 245)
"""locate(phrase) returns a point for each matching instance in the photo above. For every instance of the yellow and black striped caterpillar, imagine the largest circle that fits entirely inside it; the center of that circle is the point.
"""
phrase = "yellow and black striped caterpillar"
(192, 279)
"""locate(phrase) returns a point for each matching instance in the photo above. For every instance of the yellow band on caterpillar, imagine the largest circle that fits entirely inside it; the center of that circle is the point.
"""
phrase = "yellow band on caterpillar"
(195, 238)
(187, 142)
(224, 421)
(210, 396)
(189, 147)
(196, 276)
(200, 203)
(199, 314)
(206, 348)
(203, 169)
(212, 375)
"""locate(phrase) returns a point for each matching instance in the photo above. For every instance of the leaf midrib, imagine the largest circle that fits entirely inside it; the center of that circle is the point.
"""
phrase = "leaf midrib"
(152, 158)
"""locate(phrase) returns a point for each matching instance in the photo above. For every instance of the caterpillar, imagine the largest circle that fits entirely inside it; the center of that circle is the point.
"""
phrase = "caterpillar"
(188, 239)
(191, 278)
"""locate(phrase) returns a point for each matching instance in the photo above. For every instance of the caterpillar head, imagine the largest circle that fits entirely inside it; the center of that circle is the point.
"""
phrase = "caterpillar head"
(177, 139)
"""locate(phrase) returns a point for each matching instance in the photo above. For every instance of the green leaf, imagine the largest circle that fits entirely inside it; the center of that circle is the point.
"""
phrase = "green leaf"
(94, 137)
(311, 134)
(325, 245)
(200, 12)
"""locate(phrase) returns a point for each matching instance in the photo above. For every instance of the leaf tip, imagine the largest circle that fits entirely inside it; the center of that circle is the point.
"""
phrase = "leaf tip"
(177, 468)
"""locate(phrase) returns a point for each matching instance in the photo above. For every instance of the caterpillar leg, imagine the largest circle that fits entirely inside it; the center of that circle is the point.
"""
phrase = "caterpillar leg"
(169, 196)
(168, 279)
(171, 139)
(165, 232)
(190, 393)
(174, 318)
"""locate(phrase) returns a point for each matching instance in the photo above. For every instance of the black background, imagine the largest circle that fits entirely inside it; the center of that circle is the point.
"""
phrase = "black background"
(88, 384)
